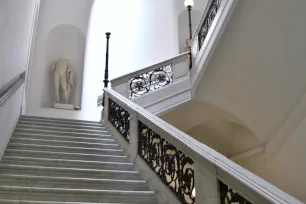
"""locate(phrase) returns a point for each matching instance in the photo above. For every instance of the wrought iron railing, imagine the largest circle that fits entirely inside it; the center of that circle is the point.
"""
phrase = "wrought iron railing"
(152, 78)
(210, 16)
(150, 81)
(171, 165)
(189, 169)
(230, 196)
(120, 119)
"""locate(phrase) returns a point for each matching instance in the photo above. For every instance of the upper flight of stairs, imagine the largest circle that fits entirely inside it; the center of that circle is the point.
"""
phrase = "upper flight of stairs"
(57, 161)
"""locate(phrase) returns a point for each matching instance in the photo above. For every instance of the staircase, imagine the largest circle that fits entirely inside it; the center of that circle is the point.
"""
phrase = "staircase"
(57, 161)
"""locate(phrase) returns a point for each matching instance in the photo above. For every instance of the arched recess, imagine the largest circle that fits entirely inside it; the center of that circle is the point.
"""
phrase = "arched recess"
(228, 138)
(183, 26)
(214, 127)
(64, 41)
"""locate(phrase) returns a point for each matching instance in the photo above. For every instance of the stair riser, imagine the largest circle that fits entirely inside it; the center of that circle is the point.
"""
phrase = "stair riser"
(3, 201)
(67, 149)
(88, 174)
(72, 143)
(61, 125)
(78, 198)
(60, 121)
(65, 156)
(75, 185)
(63, 133)
(60, 138)
(65, 129)
(122, 167)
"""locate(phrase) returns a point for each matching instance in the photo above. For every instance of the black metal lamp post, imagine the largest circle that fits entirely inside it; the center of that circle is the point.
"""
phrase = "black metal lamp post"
(106, 81)
(189, 4)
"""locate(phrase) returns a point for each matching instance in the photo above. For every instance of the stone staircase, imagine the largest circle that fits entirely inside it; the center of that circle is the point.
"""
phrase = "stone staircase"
(57, 161)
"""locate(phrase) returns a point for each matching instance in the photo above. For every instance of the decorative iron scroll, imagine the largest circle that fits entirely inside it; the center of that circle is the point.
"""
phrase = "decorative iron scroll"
(120, 119)
(150, 81)
(211, 14)
(173, 167)
(230, 196)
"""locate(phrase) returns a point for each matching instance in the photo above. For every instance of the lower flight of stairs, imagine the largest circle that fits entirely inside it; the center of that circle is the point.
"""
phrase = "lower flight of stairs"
(53, 161)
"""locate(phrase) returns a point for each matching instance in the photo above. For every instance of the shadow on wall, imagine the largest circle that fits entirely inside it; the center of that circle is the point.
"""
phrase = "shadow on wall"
(64, 41)
(230, 139)
(214, 127)
(183, 26)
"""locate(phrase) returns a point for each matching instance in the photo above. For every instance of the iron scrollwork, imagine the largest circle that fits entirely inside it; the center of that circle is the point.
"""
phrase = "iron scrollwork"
(173, 167)
(150, 81)
(120, 119)
(230, 196)
(211, 14)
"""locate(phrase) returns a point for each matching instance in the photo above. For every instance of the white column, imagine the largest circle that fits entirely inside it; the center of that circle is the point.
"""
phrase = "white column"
(206, 182)
(133, 147)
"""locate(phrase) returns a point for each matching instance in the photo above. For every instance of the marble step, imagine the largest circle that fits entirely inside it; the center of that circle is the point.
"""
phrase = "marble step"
(52, 124)
(61, 120)
(87, 150)
(65, 141)
(75, 195)
(71, 182)
(65, 155)
(66, 172)
(5, 201)
(76, 138)
(32, 161)
(74, 133)
(65, 129)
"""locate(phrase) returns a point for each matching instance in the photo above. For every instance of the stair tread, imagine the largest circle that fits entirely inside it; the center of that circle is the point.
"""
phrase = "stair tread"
(42, 123)
(59, 128)
(100, 138)
(14, 145)
(32, 141)
(62, 161)
(57, 119)
(64, 179)
(54, 202)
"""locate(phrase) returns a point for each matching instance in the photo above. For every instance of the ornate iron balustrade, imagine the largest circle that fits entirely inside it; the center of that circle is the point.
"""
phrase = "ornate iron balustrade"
(211, 14)
(230, 196)
(120, 119)
(150, 81)
(173, 167)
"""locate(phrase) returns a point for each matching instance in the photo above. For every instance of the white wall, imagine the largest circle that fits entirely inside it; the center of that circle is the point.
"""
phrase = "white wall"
(53, 14)
(143, 33)
(257, 73)
(16, 23)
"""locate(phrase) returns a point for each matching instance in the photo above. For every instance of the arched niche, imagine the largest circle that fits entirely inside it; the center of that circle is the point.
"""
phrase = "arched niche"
(183, 26)
(64, 41)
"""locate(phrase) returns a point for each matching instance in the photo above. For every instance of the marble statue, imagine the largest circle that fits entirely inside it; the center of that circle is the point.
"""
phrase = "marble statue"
(186, 49)
(63, 79)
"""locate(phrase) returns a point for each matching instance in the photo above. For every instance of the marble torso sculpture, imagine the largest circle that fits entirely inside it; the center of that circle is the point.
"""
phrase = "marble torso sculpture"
(63, 79)
(186, 49)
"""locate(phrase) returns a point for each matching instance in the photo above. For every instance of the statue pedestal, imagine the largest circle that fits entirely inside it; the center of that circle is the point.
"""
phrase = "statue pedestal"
(64, 106)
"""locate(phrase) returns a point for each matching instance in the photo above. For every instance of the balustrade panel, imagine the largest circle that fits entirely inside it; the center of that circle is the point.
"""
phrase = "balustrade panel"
(150, 81)
(211, 14)
(120, 119)
(230, 196)
(172, 166)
